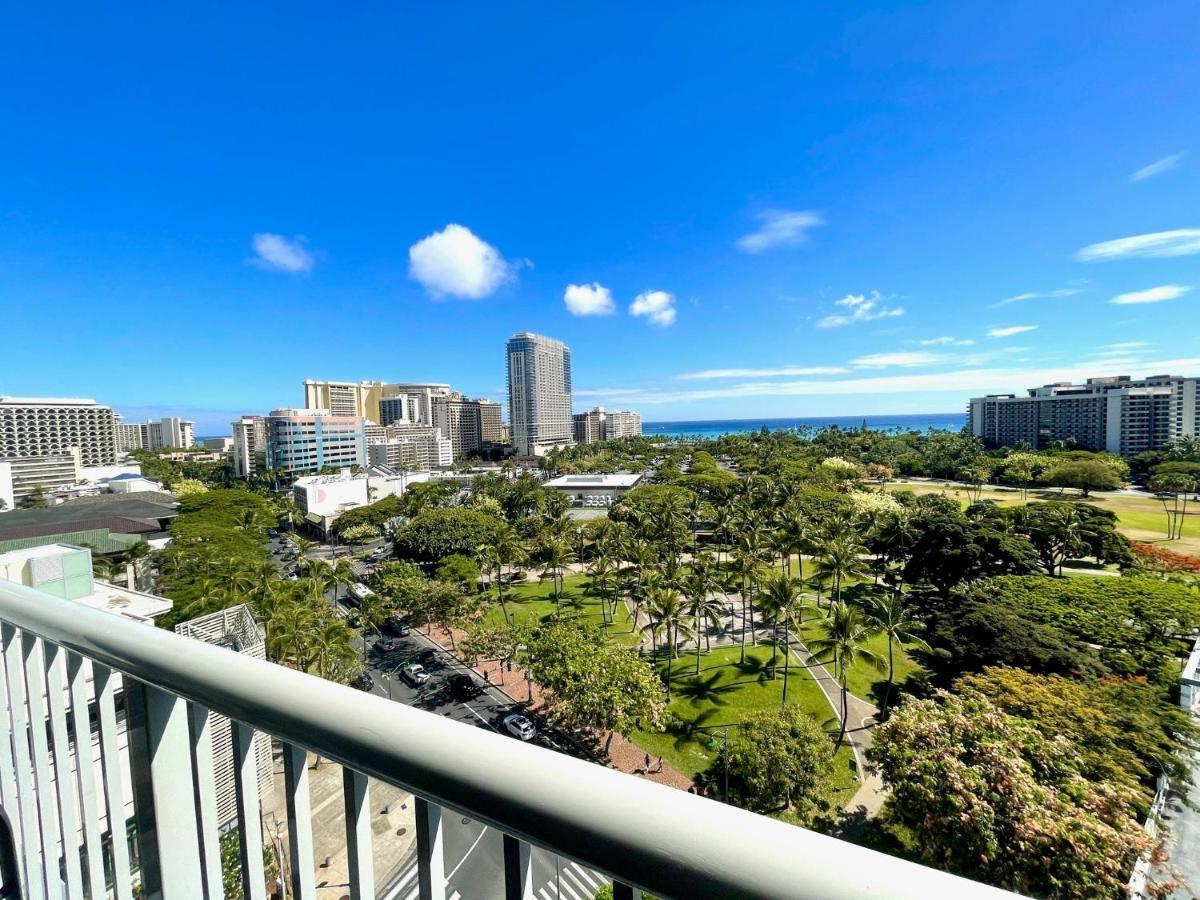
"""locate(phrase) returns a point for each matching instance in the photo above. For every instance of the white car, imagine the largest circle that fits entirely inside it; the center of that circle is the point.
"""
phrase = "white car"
(414, 674)
(519, 727)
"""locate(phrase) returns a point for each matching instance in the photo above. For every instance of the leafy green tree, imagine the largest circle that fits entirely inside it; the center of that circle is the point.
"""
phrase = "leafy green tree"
(591, 684)
(434, 534)
(1086, 475)
(989, 796)
(460, 569)
(949, 549)
(1126, 730)
(782, 760)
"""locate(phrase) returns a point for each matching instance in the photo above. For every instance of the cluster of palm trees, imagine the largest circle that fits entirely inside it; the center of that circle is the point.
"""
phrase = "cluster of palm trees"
(681, 592)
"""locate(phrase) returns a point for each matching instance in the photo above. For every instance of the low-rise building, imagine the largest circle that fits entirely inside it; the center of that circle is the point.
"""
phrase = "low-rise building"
(31, 477)
(328, 496)
(595, 490)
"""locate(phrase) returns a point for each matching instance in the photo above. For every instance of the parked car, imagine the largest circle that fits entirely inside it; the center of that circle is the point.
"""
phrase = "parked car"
(427, 657)
(414, 674)
(519, 727)
(395, 627)
(271, 532)
(363, 681)
(384, 645)
(464, 687)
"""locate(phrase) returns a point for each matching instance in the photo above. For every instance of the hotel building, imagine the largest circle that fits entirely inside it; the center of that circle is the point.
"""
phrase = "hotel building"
(48, 426)
(539, 393)
(305, 441)
(1118, 414)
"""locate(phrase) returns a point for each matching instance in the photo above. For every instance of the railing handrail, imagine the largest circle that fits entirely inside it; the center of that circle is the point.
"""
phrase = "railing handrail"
(663, 840)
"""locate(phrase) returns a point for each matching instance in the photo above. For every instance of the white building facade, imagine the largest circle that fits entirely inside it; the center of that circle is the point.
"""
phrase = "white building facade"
(539, 393)
(305, 441)
(51, 426)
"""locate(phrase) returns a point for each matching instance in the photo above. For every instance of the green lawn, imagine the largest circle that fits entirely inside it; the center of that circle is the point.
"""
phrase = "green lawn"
(726, 693)
(533, 602)
(1141, 518)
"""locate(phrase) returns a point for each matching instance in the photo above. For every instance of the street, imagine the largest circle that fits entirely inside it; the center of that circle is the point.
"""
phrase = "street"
(473, 853)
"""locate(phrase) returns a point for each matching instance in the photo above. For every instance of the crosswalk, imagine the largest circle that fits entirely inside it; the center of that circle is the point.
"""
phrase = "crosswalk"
(571, 881)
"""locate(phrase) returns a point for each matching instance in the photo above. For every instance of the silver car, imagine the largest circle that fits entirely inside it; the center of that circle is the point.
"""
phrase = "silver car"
(414, 674)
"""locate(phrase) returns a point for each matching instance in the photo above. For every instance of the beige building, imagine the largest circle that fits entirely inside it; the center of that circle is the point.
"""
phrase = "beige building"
(599, 424)
(50, 426)
(491, 429)
(362, 398)
(156, 435)
(412, 448)
(249, 445)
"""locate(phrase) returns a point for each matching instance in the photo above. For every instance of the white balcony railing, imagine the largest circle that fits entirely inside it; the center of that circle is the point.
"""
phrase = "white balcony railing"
(60, 658)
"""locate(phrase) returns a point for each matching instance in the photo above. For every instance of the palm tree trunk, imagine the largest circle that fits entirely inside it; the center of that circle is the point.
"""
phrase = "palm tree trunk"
(698, 640)
(787, 664)
(887, 691)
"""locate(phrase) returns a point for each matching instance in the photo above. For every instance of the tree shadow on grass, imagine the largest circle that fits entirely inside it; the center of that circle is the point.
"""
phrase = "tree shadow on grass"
(703, 690)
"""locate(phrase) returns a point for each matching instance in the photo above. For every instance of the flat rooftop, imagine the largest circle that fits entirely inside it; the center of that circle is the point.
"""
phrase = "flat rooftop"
(617, 481)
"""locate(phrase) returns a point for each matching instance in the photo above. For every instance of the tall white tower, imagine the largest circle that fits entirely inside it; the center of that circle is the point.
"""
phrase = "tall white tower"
(539, 393)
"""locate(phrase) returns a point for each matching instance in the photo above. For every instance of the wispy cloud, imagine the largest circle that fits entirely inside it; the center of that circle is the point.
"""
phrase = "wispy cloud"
(1038, 295)
(956, 384)
(1125, 345)
(885, 360)
(274, 251)
(588, 300)
(454, 262)
(1152, 295)
(860, 308)
(1158, 167)
(1156, 245)
(1010, 330)
(779, 228)
(946, 341)
(657, 306)
(710, 374)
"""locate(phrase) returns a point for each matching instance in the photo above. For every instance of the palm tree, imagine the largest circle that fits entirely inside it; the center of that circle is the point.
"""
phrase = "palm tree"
(669, 617)
(342, 574)
(698, 586)
(135, 555)
(795, 535)
(892, 616)
(556, 555)
(844, 642)
(746, 571)
(103, 568)
(782, 598)
(602, 569)
(840, 559)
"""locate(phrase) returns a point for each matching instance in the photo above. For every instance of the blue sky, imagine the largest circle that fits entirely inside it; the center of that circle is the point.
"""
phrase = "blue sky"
(813, 212)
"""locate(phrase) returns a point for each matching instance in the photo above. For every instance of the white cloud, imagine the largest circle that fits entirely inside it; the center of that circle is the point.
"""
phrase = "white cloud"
(1166, 164)
(779, 228)
(1158, 244)
(946, 341)
(860, 309)
(1039, 295)
(1124, 345)
(657, 306)
(1010, 330)
(454, 262)
(588, 300)
(884, 360)
(274, 251)
(959, 383)
(709, 374)
(1152, 295)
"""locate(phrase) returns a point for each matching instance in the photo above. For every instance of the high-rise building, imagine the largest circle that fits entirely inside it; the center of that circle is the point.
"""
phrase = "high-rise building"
(539, 393)
(156, 435)
(49, 426)
(399, 409)
(249, 445)
(491, 429)
(599, 424)
(1116, 413)
(458, 419)
(364, 398)
(305, 441)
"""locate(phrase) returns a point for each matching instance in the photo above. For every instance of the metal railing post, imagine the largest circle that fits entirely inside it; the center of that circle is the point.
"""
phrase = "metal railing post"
(518, 869)
(431, 864)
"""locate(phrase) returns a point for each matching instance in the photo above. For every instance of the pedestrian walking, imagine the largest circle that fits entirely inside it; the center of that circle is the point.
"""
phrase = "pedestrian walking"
(646, 767)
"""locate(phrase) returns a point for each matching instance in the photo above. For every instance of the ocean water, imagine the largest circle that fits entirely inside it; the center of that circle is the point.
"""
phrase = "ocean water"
(713, 428)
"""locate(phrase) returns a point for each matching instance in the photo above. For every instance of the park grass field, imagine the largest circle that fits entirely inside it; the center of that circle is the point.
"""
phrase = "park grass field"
(1139, 518)
(726, 692)
(533, 602)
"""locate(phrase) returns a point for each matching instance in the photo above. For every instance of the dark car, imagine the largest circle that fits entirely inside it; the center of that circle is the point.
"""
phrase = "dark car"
(384, 645)
(364, 682)
(394, 627)
(464, 687)
(427, 657)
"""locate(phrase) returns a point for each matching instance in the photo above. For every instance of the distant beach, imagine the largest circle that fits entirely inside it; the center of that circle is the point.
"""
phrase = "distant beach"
(714, 428)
